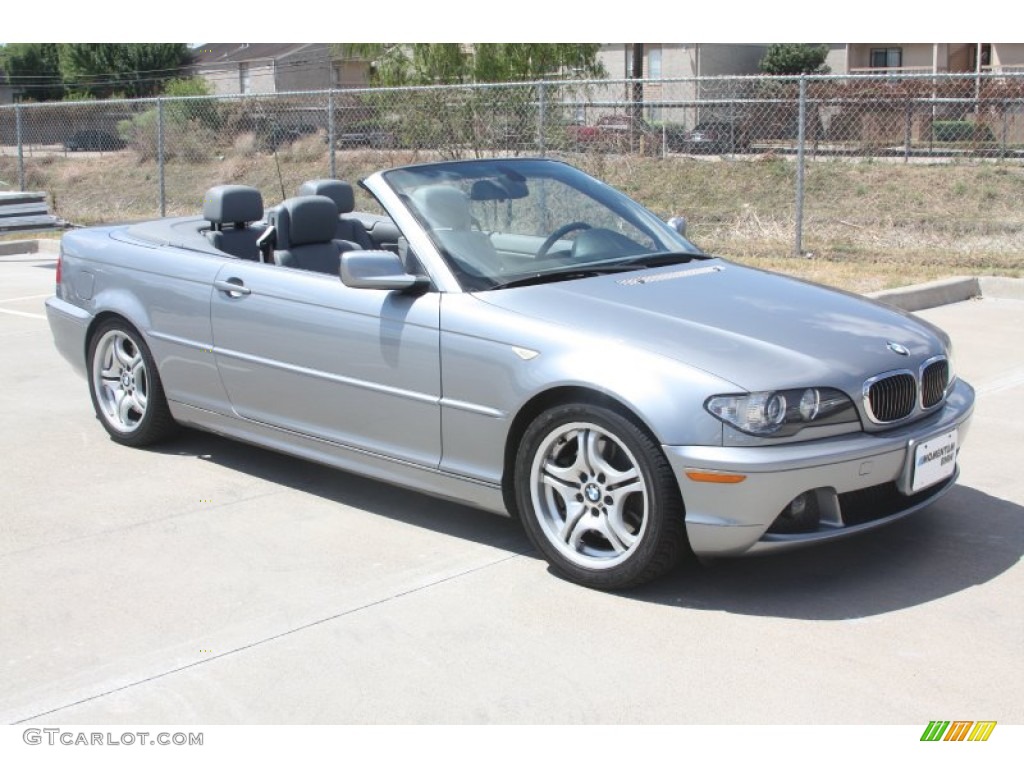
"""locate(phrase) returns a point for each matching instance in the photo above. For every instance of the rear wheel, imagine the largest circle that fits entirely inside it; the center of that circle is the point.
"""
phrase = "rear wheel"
(125, 386)
(597, 497)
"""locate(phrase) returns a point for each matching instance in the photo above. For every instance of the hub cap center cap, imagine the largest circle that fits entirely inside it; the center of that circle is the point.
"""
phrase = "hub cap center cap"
(592, 492)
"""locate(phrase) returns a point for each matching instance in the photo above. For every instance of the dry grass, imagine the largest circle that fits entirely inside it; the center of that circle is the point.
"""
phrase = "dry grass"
(867, 226)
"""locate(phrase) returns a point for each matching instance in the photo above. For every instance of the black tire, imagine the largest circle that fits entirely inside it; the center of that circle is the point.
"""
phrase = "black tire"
(597, 497)
(125, 386)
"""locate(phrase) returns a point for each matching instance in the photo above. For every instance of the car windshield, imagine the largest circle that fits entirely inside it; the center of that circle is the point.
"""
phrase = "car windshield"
(508, 222)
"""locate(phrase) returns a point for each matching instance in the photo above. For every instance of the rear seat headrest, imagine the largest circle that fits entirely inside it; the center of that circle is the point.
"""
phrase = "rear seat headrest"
(340, 192)
(310, 219)
(232, 203)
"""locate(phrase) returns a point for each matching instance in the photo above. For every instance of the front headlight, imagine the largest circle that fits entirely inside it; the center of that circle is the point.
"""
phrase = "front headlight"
(782, 413)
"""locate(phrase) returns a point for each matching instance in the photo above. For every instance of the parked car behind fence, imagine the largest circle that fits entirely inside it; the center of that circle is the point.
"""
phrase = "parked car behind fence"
(93, 140)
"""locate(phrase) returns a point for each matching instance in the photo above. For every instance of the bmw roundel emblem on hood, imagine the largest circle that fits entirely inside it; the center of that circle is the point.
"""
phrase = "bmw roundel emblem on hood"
(899, 349)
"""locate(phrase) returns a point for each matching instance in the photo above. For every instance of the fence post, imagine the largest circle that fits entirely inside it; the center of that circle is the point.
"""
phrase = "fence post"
(908, 130)
(160, 155)
(21, 147)
(1002, 144)
(541, 117)
(800, 140)
(330, 134)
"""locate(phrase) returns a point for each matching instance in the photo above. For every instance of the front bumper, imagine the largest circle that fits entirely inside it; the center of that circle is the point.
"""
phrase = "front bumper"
(858, 479)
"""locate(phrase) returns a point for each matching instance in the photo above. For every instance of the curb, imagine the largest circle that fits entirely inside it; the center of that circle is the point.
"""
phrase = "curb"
(21, 247)
(911, 298)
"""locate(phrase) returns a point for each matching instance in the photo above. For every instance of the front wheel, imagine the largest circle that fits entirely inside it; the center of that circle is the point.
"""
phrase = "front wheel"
(125, 386)
(598, 499)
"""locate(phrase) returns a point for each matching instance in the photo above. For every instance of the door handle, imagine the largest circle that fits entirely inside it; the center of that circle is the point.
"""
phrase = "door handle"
(233, 285)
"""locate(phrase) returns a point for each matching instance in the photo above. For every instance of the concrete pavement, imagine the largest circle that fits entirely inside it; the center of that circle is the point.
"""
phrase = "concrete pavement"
(212, 582)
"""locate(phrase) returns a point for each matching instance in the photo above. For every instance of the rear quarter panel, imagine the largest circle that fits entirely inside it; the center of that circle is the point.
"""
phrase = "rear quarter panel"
(163, 291)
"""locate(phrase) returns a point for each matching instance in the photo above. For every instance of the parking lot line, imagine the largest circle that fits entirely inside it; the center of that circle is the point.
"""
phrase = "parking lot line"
(27, 298)
(23, 314)
(1014, 379)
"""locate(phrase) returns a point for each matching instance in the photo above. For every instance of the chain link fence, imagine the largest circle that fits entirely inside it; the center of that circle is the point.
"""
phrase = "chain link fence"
(805, 163)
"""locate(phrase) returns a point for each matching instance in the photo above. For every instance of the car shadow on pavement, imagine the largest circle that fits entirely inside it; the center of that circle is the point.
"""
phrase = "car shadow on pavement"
(967, 538)
(336, 485)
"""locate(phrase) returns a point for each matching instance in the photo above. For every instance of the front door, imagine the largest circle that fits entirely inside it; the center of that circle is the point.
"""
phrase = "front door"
(301, 351)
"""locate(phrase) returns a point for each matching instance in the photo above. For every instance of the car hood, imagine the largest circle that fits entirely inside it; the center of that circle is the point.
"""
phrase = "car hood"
(757, 329)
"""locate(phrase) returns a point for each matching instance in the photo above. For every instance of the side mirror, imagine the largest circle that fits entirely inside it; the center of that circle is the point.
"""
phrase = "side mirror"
(379, 270)
(678, 223)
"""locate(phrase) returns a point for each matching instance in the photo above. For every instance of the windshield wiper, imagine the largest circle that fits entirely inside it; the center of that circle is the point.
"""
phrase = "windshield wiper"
(645, 261)
(662, 259)
(559, 275)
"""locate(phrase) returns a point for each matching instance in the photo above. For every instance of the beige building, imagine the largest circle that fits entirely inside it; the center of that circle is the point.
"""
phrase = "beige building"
(668, 60)
(684, 60)
(675, 102)
(263, 68)
(926, 58)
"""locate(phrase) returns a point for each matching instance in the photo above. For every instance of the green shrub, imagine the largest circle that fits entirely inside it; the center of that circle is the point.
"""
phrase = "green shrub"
(187, 140)
(960, 130)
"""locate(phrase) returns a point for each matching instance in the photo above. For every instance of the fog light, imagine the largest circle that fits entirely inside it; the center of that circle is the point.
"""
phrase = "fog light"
(801, 515)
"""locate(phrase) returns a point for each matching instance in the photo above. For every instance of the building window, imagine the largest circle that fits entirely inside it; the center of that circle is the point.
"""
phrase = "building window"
(654, 62)
(244, 80)
(886, 58)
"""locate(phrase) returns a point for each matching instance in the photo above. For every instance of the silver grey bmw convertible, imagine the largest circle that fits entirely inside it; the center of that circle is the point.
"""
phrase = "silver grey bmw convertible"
(515, 335)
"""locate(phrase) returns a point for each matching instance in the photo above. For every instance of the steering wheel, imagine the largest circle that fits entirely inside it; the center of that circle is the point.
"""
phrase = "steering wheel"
(558, 234)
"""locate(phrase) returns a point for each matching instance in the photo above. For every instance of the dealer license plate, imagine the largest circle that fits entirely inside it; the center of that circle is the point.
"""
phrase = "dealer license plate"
(934, 461)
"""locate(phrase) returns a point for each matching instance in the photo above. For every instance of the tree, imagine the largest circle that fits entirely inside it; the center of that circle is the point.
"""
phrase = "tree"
(104, 70)
(454, 63)
(190, 124)
(203, 111)
(512, 62)
(478, 120)
(33, 70)
(795, 59)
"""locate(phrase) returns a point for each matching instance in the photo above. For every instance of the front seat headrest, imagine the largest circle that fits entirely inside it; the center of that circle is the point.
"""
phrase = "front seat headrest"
(311, 219)
(340, 192)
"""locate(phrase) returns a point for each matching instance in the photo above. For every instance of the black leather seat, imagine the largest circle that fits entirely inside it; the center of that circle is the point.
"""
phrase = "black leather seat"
(344, 198)
(304, 229)
(230, 209)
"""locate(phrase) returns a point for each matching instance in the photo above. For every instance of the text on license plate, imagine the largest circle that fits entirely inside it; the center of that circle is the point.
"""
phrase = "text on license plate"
(934, 460)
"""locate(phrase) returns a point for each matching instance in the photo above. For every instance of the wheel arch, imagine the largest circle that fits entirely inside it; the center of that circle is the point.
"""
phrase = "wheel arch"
(155, 422)
(534, 407)
(97, 322)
